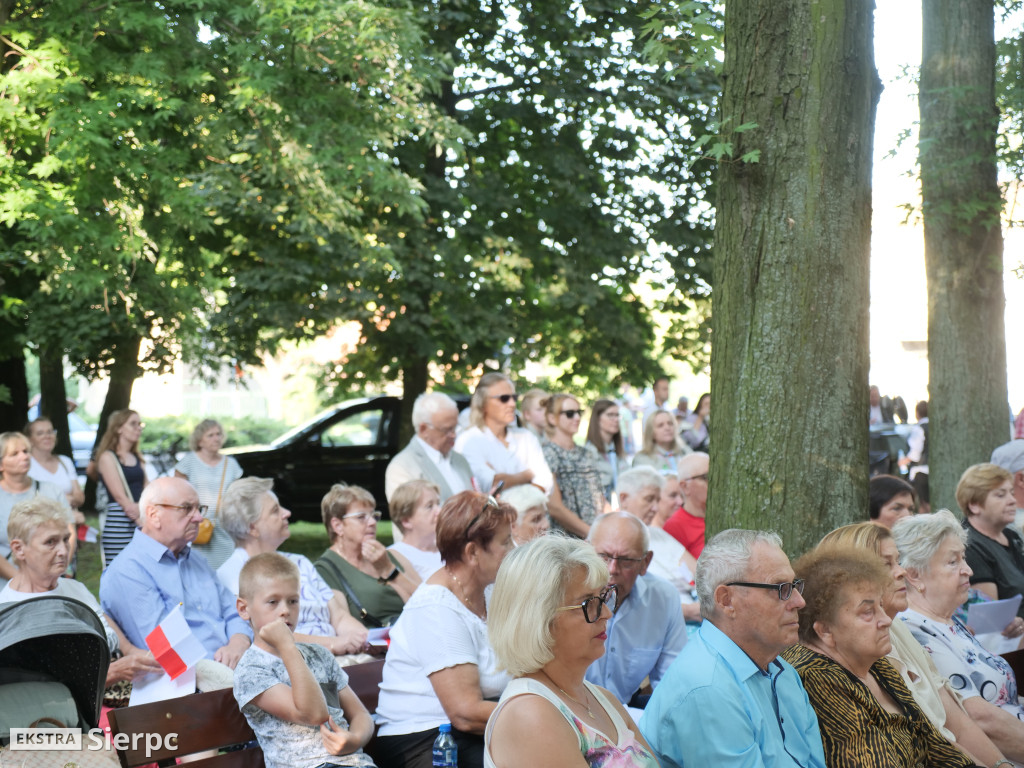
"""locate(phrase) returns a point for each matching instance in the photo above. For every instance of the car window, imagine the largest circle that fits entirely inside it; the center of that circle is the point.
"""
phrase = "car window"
(360, 428)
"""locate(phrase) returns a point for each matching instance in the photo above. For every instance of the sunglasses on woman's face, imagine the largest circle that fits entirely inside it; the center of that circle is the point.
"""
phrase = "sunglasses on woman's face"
(505, 398)
(573, 413)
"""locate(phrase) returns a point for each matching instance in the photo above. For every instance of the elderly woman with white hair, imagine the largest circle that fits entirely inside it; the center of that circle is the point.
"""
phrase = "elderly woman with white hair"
(257, 523)
(932, 552)
(549, 613)
(531, 507)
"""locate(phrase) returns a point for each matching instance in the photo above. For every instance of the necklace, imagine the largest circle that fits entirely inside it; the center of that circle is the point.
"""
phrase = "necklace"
(570, 698)
(465, 598)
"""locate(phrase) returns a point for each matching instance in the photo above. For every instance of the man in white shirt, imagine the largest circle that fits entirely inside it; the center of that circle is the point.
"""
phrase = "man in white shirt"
(430, 455)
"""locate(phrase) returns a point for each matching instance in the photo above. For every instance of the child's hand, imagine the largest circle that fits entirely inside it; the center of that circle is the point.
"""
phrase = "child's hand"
(336, 740)
(277, 635)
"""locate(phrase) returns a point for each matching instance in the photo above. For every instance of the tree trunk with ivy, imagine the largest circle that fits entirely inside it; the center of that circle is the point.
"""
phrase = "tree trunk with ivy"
(963, 242)
(789, 440)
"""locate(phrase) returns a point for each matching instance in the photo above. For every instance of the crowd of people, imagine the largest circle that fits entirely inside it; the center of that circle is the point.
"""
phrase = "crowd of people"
(552, 597)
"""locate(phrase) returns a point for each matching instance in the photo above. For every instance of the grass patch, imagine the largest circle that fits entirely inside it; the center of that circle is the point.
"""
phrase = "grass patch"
(309, 539)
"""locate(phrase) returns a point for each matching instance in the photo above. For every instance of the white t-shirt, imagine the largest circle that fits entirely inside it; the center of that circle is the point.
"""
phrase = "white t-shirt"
(435, 631)
(62, 478)
(425, 563)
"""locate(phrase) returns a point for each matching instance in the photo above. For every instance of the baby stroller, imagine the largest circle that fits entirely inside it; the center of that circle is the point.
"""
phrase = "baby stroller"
(53, 664)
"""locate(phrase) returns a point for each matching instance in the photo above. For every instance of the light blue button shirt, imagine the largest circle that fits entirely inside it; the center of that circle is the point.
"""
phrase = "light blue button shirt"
(715, 707)
(144, 583)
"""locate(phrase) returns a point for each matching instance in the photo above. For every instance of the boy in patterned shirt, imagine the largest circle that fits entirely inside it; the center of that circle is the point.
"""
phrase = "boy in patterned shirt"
(294, 695)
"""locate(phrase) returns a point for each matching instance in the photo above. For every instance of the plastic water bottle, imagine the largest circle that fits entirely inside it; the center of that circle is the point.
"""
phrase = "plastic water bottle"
(446, 754)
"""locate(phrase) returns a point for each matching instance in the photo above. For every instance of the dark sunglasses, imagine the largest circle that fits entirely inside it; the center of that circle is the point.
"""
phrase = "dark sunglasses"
(573, 413)
(489, 502)
(505, 398)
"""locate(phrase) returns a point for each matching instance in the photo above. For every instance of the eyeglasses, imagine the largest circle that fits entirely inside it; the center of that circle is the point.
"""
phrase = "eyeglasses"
(489, 502)
(785, 589)
(443, 430)
(505, 398)
(364, 516)
(592, 605)
(188, 509)
(626, 563)
(573, 413)
(703, 477)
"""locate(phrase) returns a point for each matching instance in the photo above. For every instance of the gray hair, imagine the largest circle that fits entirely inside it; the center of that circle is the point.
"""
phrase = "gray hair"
(645, 536)
(726, 557)
(242, 507)
(525, 498)
(201, 429)
(684, 463)
(428, 404)
(633, 481)
(919, 537)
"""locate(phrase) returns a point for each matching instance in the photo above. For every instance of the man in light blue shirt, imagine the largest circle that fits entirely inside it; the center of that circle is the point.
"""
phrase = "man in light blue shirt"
(156, 572)
(728, 701)
(647, 629)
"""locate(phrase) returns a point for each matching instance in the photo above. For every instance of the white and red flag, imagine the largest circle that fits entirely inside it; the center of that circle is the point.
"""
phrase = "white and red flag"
(174, 646)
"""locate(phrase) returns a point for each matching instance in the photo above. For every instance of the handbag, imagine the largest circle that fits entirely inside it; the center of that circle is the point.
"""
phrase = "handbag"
(206, 525)
(367, 618)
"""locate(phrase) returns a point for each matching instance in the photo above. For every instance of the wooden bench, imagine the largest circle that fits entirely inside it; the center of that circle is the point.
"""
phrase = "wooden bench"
(203, 722)
(208, 721)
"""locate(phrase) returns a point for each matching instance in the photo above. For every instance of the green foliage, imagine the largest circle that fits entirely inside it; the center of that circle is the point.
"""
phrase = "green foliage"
(247, 430)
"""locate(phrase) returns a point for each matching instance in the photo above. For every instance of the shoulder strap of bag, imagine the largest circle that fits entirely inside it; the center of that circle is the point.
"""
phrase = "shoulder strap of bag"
(364, 615)
(224, 474)
(120, 473)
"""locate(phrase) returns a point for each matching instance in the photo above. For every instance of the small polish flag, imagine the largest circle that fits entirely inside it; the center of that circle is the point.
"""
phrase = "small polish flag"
(173, 645)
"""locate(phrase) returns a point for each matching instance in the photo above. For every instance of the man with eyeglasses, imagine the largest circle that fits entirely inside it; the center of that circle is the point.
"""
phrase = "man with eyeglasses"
(647, 629)
(729, 700)
(430, 454)
(156, 572)
(687, 524)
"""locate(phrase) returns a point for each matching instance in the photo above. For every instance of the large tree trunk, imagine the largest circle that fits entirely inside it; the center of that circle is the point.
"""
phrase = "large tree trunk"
(414, 384)
(13, 382)
(53, 398)
(123, 373)
(789, 361)
(968, 414)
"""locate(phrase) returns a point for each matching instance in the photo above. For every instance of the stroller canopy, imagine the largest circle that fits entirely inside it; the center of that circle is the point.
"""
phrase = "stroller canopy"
(60, 639)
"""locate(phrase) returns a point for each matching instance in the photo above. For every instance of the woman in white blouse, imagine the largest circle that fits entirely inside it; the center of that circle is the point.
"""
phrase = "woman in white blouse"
(440, 667)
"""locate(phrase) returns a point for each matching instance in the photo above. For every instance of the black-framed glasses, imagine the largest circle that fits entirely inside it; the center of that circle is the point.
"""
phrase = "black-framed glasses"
(188, 509)
(785, 589)
(626, 563)
(703, 477)
(489, 502)
(592, 605)
(505, 398)
(572, 413)
(375, 514)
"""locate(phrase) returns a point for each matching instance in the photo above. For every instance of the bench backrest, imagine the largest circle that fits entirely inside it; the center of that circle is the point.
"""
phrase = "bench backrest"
(203, 721)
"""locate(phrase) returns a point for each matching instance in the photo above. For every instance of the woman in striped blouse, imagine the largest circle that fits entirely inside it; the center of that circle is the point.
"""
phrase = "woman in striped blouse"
(867, 716)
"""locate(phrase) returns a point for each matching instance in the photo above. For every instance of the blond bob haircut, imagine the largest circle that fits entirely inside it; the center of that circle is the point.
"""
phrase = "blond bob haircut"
(479, 399)
(860, 535)
(265, 568)
(530, 588)
(27, 516)
(339, 500)
(201, 429)
(242, 506)
(976, 483)
(8, 439)
(405, 498)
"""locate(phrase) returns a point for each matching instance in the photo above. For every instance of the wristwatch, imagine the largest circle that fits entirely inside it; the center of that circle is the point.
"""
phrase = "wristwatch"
(390, 577)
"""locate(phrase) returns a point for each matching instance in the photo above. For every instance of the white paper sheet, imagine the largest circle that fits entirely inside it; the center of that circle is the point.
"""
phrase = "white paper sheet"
(988, 620)
(378, 637)
(160, 687)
